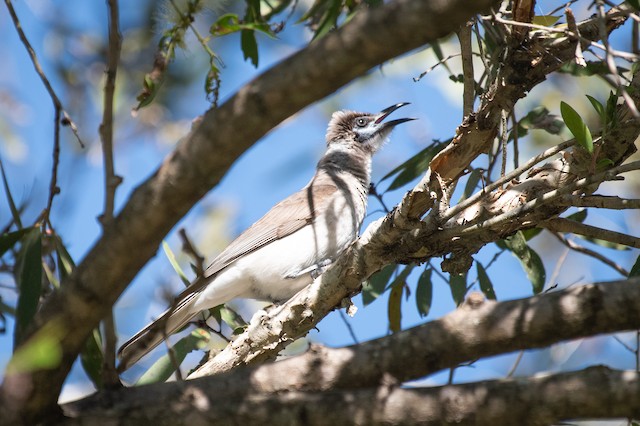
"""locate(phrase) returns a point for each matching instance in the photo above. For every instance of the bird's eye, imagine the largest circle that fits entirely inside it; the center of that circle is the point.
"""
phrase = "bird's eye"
(361, 122)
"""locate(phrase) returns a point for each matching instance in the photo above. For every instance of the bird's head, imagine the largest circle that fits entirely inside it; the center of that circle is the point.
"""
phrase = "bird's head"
(365, 130)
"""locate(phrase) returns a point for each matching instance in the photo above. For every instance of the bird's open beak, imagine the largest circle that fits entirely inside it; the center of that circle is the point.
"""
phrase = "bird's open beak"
(387, 111)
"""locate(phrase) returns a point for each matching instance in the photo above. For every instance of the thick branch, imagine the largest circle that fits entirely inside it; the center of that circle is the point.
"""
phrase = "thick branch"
(400, 237)
(475, 330)
(198, 163)
(597, 392)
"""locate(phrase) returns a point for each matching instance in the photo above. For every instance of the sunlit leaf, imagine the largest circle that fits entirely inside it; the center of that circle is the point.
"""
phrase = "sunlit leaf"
(458, 285)
(529, 259)
(42, 351)
(66, 265)
(375, 285)
(424, 292)
(485, 283)
(577, 126)
(30, 281)
(604, 243)
(545, 20)
(600, 109)
(164, 367)
(174, 263)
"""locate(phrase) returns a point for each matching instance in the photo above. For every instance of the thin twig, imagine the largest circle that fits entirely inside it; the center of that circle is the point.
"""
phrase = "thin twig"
(428, 70)
(189, 249)
(564, 225)
(613, 69)
(516, 150)
(600, 202)
(505, 140)
(464, 36)
(66, 119)
(347, 324)
(557, 268)
(541, 200)
(512, 370)
(506, 178)
(53, 184)
(581, 249)
(110, 375)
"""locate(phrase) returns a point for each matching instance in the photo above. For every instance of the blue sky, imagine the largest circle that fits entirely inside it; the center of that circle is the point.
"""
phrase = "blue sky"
(281, 163)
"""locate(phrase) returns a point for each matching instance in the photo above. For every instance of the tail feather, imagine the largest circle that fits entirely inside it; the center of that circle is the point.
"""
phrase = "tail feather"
(153, 334)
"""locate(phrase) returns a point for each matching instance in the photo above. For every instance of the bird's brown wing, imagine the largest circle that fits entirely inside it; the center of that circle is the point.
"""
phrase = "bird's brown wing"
(285, 218)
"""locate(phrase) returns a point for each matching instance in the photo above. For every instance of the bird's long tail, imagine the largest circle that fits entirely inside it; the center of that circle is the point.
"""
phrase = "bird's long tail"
(153, 334)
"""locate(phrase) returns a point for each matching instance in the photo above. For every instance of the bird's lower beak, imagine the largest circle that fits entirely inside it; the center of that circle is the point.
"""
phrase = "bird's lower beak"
(387, 111)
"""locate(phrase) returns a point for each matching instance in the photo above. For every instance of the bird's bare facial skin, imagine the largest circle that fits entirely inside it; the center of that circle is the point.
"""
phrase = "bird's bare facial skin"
(365, 128)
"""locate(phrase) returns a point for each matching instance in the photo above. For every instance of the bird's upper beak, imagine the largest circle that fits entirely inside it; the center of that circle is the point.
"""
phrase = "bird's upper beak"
(387, 111)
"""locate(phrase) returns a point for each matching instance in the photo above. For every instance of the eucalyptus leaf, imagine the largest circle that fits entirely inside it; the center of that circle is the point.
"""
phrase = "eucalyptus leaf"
(376, 284)
(577, 126)
(424, 292)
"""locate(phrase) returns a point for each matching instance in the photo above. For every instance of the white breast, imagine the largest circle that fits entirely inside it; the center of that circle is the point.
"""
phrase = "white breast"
(280, 269)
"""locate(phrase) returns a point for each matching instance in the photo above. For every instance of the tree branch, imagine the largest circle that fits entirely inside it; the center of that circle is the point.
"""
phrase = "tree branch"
(475, 330)
(36, 64)
(401, 238)
(373, 36)
(564, 225)
(594, 393)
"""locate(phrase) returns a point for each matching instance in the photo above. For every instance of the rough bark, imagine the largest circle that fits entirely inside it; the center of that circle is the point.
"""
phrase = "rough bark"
(596, 392)
(478, 329)
(201, 159)
(401, 237)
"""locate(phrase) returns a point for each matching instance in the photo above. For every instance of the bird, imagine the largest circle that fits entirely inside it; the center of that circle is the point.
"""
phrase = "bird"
(294, 242)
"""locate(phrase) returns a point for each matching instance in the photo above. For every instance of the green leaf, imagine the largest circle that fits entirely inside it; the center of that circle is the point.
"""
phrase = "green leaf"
(92, 358)
(578, 216)
(12, 206)
(458, 285)
(485, 283)
(471, 185)
(600, 109)
(233, 320)
(577, 126)
(414, 166)
(604, 243)
(634, 3)
(375, 285)
(529, 259)
(164, 367)
(395, 306)
(424, 292)
(174, 263)
(29, 282)
(529, 234)
(635, 270)
(249, 46)
(545, 20)
(42, 351)
(66, 265)
(10, 239)
(329, 20)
